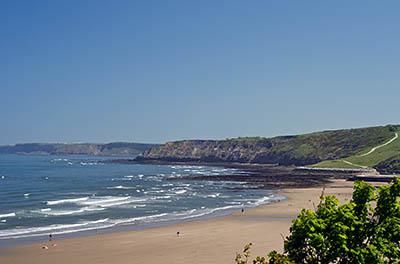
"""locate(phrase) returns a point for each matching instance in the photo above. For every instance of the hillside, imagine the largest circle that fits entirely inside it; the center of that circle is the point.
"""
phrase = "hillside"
(389, 166)
(304, 149)
(381, 157)
(110, 149)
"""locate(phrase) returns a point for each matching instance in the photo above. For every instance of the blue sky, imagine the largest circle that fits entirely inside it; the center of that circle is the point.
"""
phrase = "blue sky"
(155, 71)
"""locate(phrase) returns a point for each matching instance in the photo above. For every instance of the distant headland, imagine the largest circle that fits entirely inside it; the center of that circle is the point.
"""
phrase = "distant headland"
(371, 148)
(90, 149)
(362, 148)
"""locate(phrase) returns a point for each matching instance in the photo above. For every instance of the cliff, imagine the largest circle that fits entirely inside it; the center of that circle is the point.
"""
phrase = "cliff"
(284, 150)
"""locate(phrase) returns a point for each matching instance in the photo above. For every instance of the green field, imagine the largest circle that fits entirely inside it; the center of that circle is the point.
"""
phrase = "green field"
(334, 164)
(379, 155)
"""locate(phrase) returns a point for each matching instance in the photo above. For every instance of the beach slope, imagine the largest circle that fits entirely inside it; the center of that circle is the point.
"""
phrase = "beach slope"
(201, 241)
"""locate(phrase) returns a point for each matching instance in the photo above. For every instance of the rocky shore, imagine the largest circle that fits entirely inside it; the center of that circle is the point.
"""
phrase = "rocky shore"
(260, 176)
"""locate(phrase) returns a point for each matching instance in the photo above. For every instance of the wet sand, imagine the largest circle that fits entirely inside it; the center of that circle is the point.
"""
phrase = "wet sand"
(202, 241)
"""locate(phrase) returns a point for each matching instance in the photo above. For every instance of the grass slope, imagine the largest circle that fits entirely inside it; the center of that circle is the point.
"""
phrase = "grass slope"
(297, 150)
(376, 157)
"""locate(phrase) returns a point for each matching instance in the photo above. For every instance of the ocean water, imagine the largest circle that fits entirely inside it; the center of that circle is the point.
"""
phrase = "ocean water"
(61, 195)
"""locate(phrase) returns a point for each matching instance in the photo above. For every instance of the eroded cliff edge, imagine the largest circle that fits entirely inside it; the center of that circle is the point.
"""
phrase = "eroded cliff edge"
(284, 150)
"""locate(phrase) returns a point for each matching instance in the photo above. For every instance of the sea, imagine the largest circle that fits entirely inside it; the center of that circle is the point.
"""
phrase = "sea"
(69, 196)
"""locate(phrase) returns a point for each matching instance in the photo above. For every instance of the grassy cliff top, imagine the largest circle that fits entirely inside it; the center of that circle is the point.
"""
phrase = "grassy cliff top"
(303, 149)
(371, 156)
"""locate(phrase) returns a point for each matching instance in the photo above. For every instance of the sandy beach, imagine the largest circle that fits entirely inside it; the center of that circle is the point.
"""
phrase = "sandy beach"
(201, 241)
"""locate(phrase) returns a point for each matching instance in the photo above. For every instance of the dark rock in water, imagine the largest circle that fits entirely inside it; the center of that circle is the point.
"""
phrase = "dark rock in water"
(272, 176)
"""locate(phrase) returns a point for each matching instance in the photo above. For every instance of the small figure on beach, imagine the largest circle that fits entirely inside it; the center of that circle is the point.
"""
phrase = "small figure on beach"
(178, 233)
(50, 237)
(242, 210)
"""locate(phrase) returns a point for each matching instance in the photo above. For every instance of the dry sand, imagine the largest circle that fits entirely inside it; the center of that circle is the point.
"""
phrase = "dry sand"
(202, 241)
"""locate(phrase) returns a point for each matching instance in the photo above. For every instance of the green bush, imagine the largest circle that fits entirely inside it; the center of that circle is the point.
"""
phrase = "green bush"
(365, 230)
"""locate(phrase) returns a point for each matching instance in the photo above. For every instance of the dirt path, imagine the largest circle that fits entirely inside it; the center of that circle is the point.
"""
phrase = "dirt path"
(375, 148)
(369, 152)
(356, 165)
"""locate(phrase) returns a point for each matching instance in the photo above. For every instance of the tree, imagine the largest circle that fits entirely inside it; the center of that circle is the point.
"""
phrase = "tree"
(365, 230)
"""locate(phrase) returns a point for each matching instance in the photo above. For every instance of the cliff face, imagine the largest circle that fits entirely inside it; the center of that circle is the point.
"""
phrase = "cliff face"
(110, 149)
(287, 150)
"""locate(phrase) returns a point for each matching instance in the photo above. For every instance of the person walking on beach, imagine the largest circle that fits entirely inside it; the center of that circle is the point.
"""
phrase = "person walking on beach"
(50, 237)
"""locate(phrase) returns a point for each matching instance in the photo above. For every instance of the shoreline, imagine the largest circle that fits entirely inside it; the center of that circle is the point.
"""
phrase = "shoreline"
(43, 238)
(255, 176)
(35, 239)
(214, 240)
(263, 176)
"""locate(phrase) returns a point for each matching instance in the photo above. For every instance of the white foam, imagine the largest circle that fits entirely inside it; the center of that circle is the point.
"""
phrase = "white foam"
(133, 206)
(181, 191)
(111, 201)
(120, 187)
(233, 202)
(121, 179)
(59, 212)
(199, 213)
(262, 200)
(140, 218)
(55, 160)
(94, 209)
(3, 177)
(67, 201)
(7, 215)
(104, 200)
(49, 211)
(223, 208)
(185, 213)
(80, 230)
(26, 195)
(55, 229)
(3, 221)
(115, 204)
(88, 163)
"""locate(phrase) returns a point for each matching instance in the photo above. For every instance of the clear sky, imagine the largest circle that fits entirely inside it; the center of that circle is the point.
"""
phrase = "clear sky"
(155, 71)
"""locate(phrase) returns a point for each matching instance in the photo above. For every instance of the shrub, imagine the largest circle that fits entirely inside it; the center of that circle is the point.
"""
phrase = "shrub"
(365, 230)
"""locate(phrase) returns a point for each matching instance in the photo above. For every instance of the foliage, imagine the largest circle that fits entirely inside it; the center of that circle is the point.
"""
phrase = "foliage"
(365, 230)
(273, 255)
